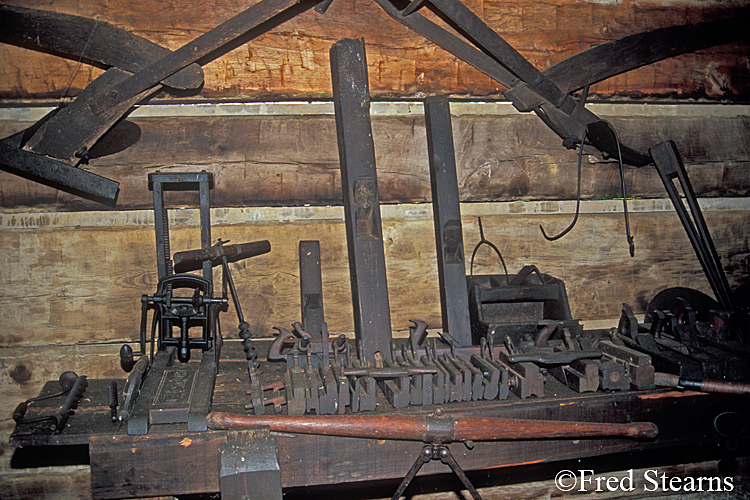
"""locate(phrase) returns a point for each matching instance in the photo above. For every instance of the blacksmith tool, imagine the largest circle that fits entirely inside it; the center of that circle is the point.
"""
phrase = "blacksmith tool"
(436, 426)
(525, 379)
(73, 388)
(329, 393)
(283, 338)
(222, 254)
(132, 388)
(604, 136)
(446, 214)
(546, 351)
(359, 184)
(319, 386)
(624, 367)
(387, 372)
(554, 357)
(677, 342)
(670, 167)
(415, 373)
(311, 287)
(512, 306)
(201, 307)
(301, 342)
(112, 399)
(174, 390)
(71, 403)
(566, 359)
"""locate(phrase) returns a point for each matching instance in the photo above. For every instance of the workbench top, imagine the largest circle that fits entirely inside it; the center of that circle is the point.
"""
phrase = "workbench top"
(116, 459)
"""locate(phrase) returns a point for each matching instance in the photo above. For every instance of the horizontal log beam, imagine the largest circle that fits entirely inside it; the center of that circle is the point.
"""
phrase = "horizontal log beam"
(285, 154)
(291, 60)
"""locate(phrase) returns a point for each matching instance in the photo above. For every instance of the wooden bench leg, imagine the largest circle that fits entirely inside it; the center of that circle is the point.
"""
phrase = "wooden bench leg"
(249, 466)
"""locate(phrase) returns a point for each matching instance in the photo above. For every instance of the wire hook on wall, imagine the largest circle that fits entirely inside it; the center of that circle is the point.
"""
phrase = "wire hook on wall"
(599, 136)
(485, 241)
(602, 133)
(578, 197)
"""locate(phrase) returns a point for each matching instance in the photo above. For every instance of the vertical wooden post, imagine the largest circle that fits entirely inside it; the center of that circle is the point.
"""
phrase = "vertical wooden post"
(249, 466)
(454, 298)
(372, 317)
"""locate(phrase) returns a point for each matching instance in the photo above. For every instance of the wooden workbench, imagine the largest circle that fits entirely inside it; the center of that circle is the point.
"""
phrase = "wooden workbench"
(171, 461)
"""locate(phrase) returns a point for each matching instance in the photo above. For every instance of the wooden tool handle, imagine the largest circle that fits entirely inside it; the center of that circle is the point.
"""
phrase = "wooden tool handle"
(441, 429)
(719, 386)
(493, 429)
(191, 260)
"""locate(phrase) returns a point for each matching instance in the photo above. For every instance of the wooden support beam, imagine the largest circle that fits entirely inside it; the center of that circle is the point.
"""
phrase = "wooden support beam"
(446, 214)
(359, 182)
(281, 154)
(286, 62)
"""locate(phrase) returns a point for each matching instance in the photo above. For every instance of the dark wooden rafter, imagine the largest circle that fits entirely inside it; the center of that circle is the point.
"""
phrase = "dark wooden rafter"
(69, 135)
(90, 40)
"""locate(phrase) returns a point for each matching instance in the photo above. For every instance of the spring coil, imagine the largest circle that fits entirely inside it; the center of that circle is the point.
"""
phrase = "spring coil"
(248, 346)
(112, 389)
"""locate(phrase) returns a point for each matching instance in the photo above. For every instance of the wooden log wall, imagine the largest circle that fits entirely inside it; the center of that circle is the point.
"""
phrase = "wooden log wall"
(91, 261)
(291, 59)
(73, 271)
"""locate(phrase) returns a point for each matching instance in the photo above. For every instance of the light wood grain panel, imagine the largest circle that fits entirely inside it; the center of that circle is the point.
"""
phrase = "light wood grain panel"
(70, 284)
(59, 483)
(291, 60)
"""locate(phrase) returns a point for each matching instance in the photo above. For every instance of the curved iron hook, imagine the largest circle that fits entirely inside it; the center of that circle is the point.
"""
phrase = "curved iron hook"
(578, 197)
(631, 239)
(485, 241)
